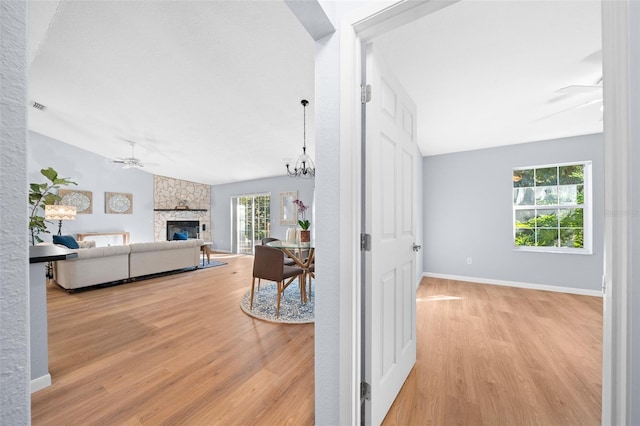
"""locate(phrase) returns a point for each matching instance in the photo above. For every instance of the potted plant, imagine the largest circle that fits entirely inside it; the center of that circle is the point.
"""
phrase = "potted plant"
(40, 195)
(305, 234)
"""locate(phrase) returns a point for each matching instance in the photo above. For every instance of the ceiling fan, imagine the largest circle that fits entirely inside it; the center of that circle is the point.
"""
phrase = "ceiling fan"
(132, 161)
(587, 94)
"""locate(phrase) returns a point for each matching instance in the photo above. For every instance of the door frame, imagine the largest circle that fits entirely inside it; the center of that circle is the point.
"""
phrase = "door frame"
(375, 19)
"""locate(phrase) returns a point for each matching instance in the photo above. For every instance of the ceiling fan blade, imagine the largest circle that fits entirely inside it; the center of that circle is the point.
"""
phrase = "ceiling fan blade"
(582, 105)
(580, 89)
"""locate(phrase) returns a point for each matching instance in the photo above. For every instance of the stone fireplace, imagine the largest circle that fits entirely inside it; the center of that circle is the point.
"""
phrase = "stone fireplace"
(178, 200)
(191, 227)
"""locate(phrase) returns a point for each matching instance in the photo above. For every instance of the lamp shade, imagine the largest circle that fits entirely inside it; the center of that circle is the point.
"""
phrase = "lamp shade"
(56, 212)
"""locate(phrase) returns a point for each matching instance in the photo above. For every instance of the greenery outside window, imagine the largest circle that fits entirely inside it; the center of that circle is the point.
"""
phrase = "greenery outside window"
(552, 208)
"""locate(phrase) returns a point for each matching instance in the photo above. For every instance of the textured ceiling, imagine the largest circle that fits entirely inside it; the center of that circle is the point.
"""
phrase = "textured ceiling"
(211, 90)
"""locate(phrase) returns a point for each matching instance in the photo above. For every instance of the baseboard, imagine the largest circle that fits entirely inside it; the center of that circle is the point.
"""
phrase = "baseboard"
(41, 383)
(532, 286)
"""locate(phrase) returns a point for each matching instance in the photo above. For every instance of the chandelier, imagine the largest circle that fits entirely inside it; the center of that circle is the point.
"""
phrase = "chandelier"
(304, 167)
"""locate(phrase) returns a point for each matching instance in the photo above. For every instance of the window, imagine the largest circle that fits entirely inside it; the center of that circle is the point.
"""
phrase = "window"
(253, 221)
(552, 208)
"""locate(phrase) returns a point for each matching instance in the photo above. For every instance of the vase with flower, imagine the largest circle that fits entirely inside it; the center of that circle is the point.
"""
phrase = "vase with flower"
(305, 234)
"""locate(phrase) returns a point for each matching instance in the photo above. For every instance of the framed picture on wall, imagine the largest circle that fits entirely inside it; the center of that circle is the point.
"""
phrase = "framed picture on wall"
(82, 200)
(288, 209)
(118, 203)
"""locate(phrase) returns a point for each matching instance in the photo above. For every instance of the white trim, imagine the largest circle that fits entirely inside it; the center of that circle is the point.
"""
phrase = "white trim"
(40, 383)
(372, 19)
(616, 52)
(531, 286)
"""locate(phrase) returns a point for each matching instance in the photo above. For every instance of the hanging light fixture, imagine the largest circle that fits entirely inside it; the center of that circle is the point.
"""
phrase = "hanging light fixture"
(304, 167)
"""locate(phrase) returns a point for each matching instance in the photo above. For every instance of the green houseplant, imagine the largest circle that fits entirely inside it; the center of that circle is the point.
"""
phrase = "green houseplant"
(305, 234)
(40, 195)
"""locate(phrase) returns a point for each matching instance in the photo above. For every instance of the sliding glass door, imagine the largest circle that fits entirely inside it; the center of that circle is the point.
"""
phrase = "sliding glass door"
(252, 221)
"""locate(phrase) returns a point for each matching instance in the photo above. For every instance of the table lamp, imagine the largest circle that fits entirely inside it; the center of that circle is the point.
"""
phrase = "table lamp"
(59, 213)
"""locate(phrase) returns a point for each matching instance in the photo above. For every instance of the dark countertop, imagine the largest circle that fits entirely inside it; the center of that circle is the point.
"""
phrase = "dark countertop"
(49, 253)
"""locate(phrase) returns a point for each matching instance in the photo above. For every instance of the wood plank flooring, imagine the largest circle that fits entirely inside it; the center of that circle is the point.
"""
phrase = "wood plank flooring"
(491, 355)
(177, 350)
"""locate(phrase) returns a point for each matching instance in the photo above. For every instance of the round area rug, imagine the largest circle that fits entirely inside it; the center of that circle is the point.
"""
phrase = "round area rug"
(291, 310)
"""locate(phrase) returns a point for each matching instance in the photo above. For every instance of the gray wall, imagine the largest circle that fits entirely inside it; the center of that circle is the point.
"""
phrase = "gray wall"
(634, 135)
(15, 403)
(221, 204)
(419, 214)
(99, 175)
(468, 213)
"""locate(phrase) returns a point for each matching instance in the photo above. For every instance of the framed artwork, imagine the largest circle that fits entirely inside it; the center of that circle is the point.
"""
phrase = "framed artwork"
(288, 209)
(118, 203)
(82, 200)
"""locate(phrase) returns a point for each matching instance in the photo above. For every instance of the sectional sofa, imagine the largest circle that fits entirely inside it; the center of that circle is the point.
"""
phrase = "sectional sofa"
(99, 265)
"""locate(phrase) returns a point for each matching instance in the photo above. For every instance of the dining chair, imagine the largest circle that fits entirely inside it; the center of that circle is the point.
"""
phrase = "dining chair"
(268, 264)
(287, 260)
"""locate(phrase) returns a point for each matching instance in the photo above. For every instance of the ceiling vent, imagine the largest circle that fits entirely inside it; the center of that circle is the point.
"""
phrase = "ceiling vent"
(36, 105)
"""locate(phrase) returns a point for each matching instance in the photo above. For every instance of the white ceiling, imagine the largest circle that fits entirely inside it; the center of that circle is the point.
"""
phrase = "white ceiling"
(485, 73)
(211, 90)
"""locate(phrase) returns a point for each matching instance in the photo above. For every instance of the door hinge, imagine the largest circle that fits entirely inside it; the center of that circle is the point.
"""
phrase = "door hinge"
(365, 391)
(365, 93)
(365, 242)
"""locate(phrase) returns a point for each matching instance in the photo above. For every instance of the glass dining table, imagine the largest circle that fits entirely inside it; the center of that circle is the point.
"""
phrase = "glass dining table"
(301, 253)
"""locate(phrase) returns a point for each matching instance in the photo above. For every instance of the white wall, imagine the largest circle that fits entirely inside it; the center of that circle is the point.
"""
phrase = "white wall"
(221, 204)
(15, 403)
(468, 213)
(99, 175)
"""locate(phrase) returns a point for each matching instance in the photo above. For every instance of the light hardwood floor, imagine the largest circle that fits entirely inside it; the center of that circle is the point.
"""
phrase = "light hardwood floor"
(175, 350)
(491, 355)
(178, 350)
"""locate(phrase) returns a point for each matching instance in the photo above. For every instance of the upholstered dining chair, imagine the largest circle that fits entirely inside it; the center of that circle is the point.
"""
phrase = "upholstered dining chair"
(268, 264)
(287, 260)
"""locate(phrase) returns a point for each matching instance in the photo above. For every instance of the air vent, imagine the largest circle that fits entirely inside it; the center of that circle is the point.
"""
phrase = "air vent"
(36, 105)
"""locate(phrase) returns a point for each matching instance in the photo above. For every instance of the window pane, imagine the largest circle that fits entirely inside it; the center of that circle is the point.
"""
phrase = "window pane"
(523, 197)
(572, 174)
(568, 194)
(525, 237)
(571, 218)
(580, 196)
(548, 176)
(547, 237)
(547, 219)
(522, 178)
(547, 195)
(571, 238)
(525, 218)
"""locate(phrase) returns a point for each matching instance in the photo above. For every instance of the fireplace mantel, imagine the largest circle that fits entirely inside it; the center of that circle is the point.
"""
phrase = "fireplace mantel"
(180, 210)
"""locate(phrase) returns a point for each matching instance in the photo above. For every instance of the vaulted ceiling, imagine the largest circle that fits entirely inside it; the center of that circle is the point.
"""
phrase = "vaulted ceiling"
(210, 91)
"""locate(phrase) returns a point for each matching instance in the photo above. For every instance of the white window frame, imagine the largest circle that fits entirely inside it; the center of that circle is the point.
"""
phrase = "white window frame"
(587, 212)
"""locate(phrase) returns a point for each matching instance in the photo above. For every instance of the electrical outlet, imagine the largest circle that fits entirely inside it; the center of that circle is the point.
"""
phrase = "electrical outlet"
(469, 261)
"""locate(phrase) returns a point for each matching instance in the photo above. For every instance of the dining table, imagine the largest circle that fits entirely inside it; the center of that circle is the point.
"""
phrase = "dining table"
(303, 254)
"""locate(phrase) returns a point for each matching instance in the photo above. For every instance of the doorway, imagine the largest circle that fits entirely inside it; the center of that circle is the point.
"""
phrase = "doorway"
(250, 221)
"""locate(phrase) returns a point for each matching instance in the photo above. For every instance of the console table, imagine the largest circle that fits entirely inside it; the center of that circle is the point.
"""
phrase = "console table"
(88, 235)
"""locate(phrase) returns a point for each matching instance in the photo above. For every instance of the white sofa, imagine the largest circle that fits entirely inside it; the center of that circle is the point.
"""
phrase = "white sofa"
(99, 265)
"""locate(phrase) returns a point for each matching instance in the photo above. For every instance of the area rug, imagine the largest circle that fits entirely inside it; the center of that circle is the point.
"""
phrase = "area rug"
(211, 264)
(291, 310)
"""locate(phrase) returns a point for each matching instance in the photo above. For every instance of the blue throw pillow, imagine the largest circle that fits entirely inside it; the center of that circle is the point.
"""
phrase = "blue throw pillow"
(66, 240)
(180, 236)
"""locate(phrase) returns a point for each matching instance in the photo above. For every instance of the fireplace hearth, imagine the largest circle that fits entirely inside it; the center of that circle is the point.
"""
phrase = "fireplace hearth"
(191, 227)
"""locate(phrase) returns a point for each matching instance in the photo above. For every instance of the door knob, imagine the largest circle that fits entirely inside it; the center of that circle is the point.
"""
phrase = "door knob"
(416, 247)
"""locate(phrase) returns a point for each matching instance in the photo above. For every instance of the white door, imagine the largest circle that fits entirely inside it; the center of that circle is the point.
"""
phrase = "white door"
(390, 293)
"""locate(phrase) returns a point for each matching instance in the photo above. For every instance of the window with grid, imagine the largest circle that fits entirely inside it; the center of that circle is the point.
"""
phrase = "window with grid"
(552, 208)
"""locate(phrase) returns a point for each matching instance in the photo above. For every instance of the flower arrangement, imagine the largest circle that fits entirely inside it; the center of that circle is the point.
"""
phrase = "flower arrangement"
(304, 223)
